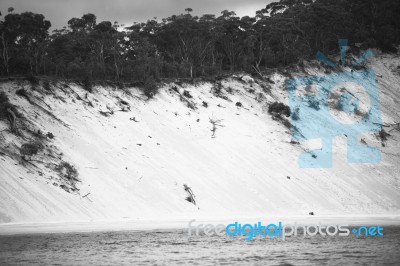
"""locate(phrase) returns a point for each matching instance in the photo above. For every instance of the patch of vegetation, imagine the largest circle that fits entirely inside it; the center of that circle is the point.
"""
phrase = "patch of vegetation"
(187, 94)
(158, 53)
(296, 114)
(217, 91)
(286, 123)
(150, 88)
(8, 111)
(266, 88)
(50, 135)
(383, 135)
(229, 90)
(260, 97)
(46, 85)
(87, 84)
(68, 171)
(279, 108)
(23, 93)
(33, 80)
(313, 103)
(4, 105)
(175, 89)
(31, 148)
(190, 199)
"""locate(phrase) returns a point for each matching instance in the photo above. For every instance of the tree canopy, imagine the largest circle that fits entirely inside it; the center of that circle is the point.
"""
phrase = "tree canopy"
(184, 45)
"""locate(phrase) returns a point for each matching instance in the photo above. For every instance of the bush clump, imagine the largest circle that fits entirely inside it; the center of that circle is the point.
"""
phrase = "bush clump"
(150, 88)
(33, 80)
(46, 85)
(296, 114)
(68, 171)
(217, 89)
(279, 108)
(120, 85)
(23, 93)
(31, 148)
(383, 134)
(187, 94)
(5, 105)
(190, 199)
(87, 84)
(313, 103)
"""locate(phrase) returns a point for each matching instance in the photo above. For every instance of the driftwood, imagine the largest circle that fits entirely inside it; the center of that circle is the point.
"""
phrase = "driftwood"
(191, 198)
(215, 123)
(106, 113)
(125, 109)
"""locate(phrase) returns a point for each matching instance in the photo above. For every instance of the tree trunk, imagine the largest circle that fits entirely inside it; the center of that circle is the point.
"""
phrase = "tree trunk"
(5, 54)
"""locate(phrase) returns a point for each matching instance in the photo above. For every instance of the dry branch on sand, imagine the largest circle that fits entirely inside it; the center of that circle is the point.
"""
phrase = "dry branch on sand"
(191, 197)
(215, 123)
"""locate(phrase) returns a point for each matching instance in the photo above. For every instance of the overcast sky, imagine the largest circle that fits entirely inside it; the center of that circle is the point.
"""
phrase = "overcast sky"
(128, 11)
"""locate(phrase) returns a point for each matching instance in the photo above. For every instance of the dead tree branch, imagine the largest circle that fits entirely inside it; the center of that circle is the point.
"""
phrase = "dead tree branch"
(215, 123)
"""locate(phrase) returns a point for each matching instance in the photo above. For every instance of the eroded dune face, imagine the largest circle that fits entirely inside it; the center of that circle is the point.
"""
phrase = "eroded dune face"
(203, 150)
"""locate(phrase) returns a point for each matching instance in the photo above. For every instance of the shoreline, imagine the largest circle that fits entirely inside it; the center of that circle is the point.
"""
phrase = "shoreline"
(20, 228)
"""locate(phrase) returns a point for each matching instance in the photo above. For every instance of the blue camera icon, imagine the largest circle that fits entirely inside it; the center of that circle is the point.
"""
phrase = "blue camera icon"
(314, 118)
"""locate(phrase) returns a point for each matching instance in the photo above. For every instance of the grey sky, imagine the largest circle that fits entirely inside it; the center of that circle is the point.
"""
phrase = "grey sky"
(128, 11)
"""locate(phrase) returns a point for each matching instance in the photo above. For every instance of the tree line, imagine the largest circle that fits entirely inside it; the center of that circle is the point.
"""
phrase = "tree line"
(187, 46)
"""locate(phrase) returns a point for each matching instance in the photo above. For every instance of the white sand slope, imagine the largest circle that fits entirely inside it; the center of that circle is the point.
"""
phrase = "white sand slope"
(136, 170)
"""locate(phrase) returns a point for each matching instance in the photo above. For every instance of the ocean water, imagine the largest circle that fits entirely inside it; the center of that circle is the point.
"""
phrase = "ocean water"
(175, 247)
